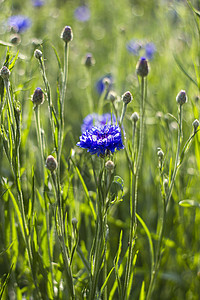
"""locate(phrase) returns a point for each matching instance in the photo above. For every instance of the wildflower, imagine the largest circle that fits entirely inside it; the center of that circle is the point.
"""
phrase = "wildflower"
(134, 47)
(51, 163)
(104, 82)
(150, 49)
(5, 73)
(38, 96)
(102, 140)
(19, 23)
(94, 119)
(67, 34)
(38, 54)
(195, 124)
(37, 3)
(127, 97)
(82, 13)
(89, 60)
(142, 68)
(181, 98)
(135, 117)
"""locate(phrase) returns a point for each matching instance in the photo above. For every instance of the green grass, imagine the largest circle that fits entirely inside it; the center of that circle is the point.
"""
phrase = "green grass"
(137, 235)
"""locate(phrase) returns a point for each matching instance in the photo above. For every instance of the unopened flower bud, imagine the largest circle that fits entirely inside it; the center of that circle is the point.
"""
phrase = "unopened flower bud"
(51, 163)
(89, 60)
(110, 165)
(135, 117)
(38, 96)
(15, 39)
(195, 124)
(67, 34)
(5, 73)
(112, 96)
(166, 185)
(181, 98)
(127, 97)
(74, 222)
(38, 54)
(160, 154)
(142, 68)
(106, 82)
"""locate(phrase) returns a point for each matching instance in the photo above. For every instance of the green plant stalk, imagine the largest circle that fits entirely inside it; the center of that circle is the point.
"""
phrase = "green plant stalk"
(134, 189)
(15, 123)
(48, 92)
(123, 113)
(88, 90)
(61, 236)
(165, 205)
(39, 138)
(100, 242)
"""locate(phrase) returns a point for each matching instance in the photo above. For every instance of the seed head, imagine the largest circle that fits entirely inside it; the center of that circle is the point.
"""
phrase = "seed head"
(67, 34)
(5, 73)
(127, 97)
(142, 68)
(110, 165)
(51, 163)
(38, 54)
(38, 96)
(89, 60)
(195, 124)
(135, 117)
(181, 98)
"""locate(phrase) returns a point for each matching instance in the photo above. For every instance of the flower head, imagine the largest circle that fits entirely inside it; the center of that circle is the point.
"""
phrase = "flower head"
(150, 49)
(97, 120)
(37, 3)
(134, 46)
(102, 140)
(89, 60)
(82, 13)
(19, 23)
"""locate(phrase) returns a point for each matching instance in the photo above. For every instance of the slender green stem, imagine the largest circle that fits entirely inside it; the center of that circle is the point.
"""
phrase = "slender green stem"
(39, 138)
(165, 205)
(88, 90)
(134, 190)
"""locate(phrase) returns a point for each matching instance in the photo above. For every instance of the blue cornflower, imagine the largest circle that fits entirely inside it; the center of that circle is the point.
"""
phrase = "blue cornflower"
(102, 140)
(100, 86)
(150, 49)
(38, 3)
(19, 23)
(134, 46)
(82, 13)
(97, 120)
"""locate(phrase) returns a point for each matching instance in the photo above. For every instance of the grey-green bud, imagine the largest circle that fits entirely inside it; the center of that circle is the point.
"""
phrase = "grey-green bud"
(135, 117)
(67, 34)
(51, 163)
(195, 124)
(181, 98)
(5, 73)
(142, 67)
(38, 54)
(38, 96)
(127, 97)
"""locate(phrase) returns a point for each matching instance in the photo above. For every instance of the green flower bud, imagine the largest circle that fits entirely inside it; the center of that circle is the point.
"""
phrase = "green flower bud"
(127, 97)
(51, 163)
(181, 98)
(38, 96)
(5, 73)
(142, 68)
(38, 54)
(67, 34)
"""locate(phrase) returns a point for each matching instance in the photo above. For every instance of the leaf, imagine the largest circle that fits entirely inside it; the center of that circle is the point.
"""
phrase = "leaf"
(189, 203)
(105, 282)
(184, 71)
(142, 291)
(194, 9)
(149, 238)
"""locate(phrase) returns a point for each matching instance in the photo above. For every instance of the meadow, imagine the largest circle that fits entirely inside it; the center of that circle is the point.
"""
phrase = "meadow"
(99, 149)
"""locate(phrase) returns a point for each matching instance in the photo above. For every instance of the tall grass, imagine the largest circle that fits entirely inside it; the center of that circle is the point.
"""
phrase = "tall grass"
(122, 224)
